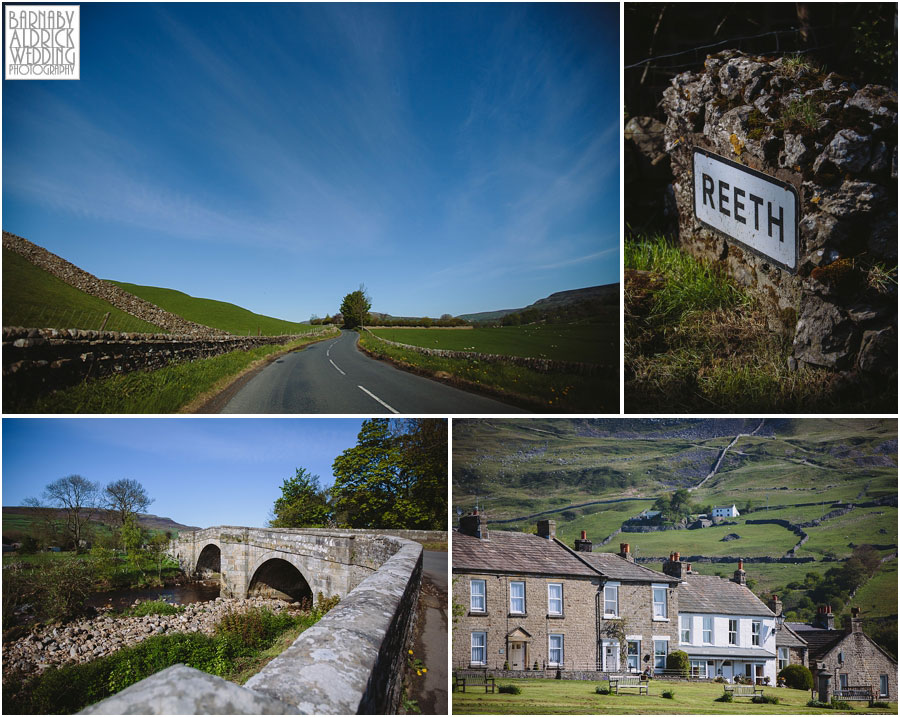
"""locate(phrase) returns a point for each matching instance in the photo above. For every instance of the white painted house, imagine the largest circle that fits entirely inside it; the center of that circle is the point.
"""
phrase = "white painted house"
(725, 511)
(723, 627)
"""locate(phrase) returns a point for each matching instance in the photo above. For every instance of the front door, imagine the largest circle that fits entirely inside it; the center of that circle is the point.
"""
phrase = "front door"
(517, 655)
(611, 657)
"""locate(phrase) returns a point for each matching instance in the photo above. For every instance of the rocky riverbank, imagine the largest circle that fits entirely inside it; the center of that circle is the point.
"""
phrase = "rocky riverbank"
(91, 638)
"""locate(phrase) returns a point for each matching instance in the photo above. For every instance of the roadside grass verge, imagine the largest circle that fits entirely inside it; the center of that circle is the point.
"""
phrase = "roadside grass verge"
(540, 696)
(556, 392)
(165, 390)
(586, 343)
(695, 341)
(36, 299)
(217, 314)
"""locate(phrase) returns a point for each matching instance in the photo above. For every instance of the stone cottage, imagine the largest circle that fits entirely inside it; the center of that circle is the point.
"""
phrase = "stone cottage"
(846, 661)
(532, 603)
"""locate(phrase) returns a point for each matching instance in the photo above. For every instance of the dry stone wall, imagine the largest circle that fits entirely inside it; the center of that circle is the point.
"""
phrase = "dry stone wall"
(835, 142)
(37, 361)
(119, 298)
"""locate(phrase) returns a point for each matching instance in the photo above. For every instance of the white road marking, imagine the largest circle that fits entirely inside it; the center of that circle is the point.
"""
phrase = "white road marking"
(389, 408)
(328, 352)
(336, 366)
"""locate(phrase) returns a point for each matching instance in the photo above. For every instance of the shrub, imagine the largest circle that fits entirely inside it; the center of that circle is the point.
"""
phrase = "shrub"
(841, 705)
(669, 694)
(765, 699)
(153, 607)
(727, 697)
(816, 703)
(509, 689)
(883, 705)
(797, 677)
(253, 628)
(679, 660)
(602, 690)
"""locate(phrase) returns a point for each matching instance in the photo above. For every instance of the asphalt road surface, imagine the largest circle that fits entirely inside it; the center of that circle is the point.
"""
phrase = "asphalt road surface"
(430, 689)
(335, 377)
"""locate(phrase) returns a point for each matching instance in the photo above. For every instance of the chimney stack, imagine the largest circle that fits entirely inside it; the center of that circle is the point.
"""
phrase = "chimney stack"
(584, 545)
(740, 575)
(673, 567)
(824, 617)
(474, 524)
(776, 606)
(546, 528)
(854, 624)
(625, 552)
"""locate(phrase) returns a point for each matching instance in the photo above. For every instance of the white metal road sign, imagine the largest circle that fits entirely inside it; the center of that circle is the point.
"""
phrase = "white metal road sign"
(757, 211)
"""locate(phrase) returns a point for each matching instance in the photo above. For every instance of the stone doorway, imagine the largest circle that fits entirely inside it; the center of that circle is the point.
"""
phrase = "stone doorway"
(517, 655)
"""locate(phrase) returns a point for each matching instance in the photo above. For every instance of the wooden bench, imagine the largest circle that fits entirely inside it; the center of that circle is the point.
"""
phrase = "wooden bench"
(628, 683)
(855, 693)
(475, 679)
(743, 690)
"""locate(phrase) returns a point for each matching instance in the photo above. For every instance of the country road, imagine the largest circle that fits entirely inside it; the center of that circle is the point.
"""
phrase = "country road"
(335, 377)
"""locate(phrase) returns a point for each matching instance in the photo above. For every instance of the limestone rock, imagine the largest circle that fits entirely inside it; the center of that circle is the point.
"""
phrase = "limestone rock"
(848, 151)
(825, 335)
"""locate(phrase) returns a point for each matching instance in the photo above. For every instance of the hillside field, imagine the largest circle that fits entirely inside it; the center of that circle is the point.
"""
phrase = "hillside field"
(217, 314)
(587, 343)
(34, 298)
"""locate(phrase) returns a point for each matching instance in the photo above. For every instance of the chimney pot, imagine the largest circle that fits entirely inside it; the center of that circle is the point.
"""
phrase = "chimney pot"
(677, 556)
(583, 534)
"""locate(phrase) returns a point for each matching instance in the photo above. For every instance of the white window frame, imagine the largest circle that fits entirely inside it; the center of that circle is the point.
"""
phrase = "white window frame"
(482, 647)
(844, 680)
(561, 649)
(685, 624)
(551, 599)
(512, 610)
(657, 640)
(756, 632)
(708, 631)
(661, 615)
(698, 669)
(615, 588)
(629, 641)
(473, 595)
(884, 685)
(784, 658)
(736, 632)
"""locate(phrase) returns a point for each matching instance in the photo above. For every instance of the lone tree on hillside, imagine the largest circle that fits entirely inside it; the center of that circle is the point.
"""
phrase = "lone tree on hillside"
(355, 307)
(126, 496)
(78, 498)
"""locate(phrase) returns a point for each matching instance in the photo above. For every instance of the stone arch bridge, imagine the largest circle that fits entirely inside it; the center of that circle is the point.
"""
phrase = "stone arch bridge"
(281, 562)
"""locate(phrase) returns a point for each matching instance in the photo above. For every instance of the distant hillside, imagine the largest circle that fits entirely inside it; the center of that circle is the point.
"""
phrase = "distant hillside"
(210, 312)
(19, 518)
(606, 294)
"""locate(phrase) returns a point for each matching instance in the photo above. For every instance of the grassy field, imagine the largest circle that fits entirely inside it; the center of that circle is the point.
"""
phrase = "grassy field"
(546, 392)
(218, 314)
(695, 342)
(166, 390)
(540, 696)
(588, 343)
(878, 596)
(36, 299)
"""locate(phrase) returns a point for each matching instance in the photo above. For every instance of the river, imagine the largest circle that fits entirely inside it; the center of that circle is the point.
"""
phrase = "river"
(181, 594)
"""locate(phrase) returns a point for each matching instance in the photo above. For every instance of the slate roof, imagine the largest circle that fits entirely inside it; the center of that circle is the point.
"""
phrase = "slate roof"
(819, 640)
(786, 637)
(509, 552)
(712, 594)
(617, 568)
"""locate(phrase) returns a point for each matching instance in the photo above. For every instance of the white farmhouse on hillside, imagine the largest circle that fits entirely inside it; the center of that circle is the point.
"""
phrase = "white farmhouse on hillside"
(723, 627)
(725, 511)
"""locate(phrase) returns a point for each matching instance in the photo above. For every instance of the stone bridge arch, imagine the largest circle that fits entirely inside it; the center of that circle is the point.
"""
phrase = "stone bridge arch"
(209, 560)
(278, 575)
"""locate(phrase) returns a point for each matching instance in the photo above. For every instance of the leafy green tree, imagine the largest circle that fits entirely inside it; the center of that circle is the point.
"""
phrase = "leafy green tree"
(355, 308)
(303, 504)
(132, 536)
(395, 477)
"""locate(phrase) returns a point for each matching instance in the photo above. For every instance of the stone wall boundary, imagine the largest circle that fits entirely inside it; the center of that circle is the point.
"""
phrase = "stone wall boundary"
(536, 364)
(37, 361)
(350, 662)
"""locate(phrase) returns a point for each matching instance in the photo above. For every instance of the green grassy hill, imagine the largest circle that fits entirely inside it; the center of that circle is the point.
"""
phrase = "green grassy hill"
(36, 299)
(566, 469)
(218, 314)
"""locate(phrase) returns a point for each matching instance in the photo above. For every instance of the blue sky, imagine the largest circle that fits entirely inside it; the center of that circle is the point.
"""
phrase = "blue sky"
(200, 471)
(453, 158)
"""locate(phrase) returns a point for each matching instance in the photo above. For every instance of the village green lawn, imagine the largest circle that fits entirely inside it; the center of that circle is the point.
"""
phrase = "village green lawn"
(540, 696)
(588, 343)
